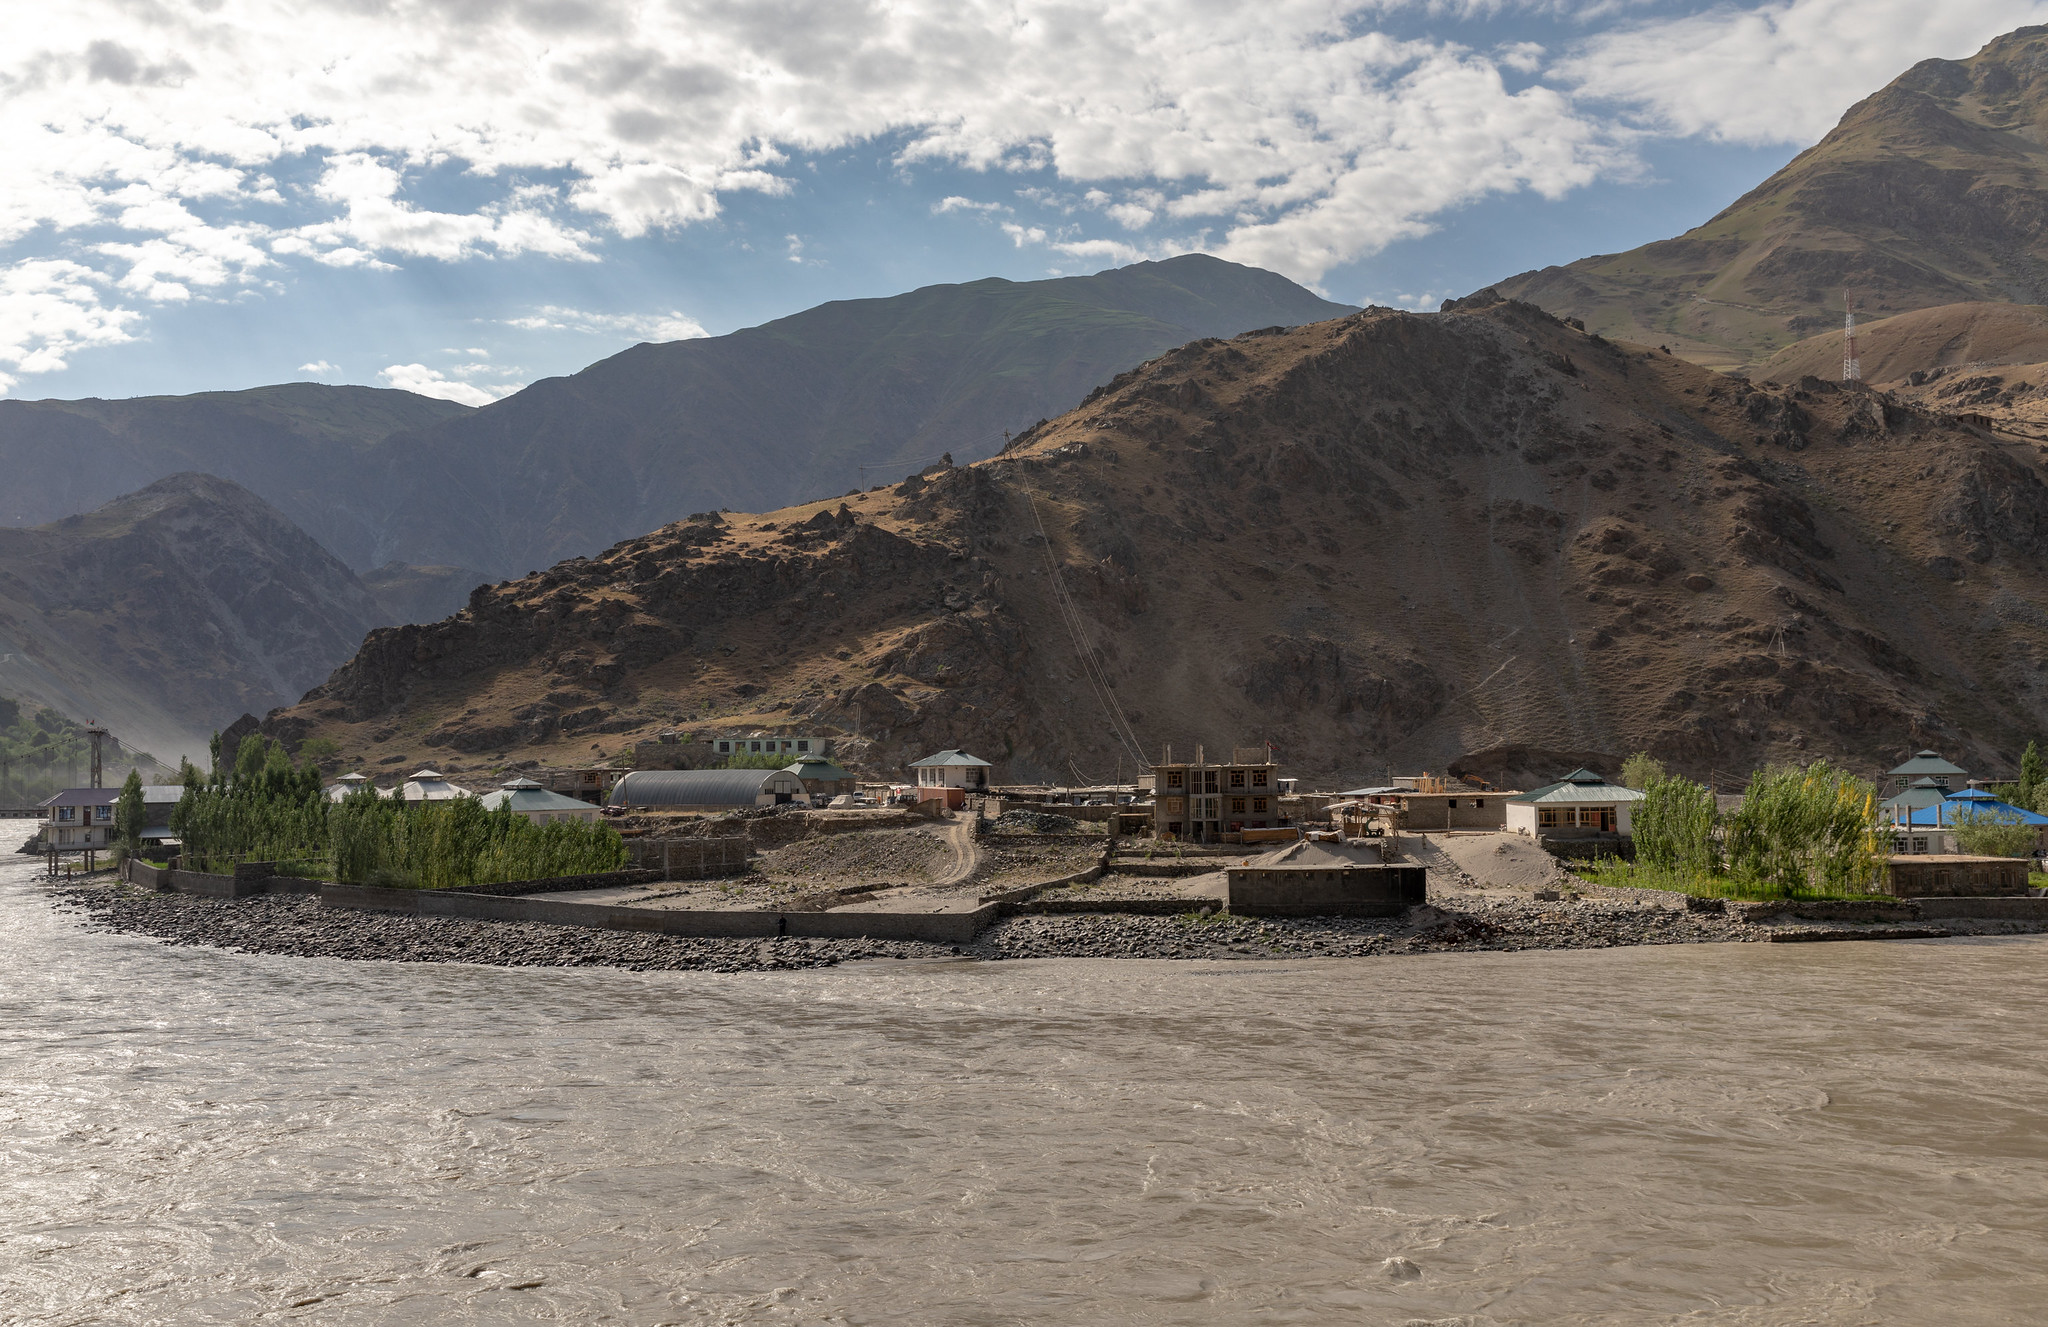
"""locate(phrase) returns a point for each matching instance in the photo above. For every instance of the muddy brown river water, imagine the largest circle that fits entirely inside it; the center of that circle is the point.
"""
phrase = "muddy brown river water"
(1754, 1134)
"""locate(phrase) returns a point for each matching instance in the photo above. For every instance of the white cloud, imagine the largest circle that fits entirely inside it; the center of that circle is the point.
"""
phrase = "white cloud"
(433, 382)
(1782, 72)
(670, 326)
(179, 152)
(50, 309)
(320, 366)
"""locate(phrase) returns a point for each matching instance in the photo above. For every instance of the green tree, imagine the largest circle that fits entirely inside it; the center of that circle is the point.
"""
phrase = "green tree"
(318, 751)
(759, 760)
(2033, 775)
(1640, 770)
(1994, 834)
(129, 813)
(1811, 830)
(1673, 828)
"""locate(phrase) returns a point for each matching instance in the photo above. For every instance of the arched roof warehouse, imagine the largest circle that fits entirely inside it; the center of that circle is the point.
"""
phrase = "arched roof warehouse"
(705, 787)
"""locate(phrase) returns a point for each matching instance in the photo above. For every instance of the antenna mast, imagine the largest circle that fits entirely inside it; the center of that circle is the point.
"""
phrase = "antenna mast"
(1852, 368)
(95, 733)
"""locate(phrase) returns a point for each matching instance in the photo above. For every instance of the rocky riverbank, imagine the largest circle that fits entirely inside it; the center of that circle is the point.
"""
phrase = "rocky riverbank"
(296, 925)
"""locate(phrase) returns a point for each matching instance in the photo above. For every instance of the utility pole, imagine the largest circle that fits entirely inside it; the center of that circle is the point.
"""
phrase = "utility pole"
(1852, 367)
(95, 733)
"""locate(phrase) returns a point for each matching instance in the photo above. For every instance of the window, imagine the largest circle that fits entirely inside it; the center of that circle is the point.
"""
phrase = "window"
(1479, 804)
(1258, 806)
(1546, 818)
(1209, 781)
(753, 747)
(1258, 778)
(1176, 805)
(67, 814)
(724, 748)
(1919, 845)
(1237, 778)
(1173, 778)
(803, 744)
(102, 814)
(1237, 806)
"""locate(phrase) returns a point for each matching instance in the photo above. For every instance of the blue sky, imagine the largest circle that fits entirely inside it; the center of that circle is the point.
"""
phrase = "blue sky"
(462, 197)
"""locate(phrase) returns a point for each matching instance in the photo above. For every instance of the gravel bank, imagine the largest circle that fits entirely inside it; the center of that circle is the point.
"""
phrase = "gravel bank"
(296, 925)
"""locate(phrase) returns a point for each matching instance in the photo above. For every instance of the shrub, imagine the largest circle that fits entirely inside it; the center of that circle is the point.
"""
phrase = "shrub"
(1811, 830)
(1673, 827)
(1641, 770)
(1994, 834)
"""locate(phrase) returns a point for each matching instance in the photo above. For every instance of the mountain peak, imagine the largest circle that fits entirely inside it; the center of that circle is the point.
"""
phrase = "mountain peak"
(1931, 191)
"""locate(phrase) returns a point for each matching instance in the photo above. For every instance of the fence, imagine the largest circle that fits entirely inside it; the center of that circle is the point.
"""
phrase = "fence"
(691, 858)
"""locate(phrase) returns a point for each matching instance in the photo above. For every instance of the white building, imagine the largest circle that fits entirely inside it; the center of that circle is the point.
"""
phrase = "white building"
(1581, 805)
(949, 776)
(529, 799)
(427, 785)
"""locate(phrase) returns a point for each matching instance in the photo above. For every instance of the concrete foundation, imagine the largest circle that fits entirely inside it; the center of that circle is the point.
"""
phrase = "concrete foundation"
(1326, 891)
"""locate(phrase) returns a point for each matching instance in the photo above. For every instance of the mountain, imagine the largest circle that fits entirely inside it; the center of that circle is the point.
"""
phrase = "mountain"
(1482, 540)
(834, 398)
(1932, 191)
(302, 446)
(169, 611)
(793, 409)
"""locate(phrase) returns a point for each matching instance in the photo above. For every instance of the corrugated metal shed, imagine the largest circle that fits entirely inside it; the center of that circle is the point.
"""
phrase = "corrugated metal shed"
(705, 787)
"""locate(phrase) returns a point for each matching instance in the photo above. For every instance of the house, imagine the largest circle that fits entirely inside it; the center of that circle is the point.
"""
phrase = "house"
(1954, 875)
(158, 801)
(589, 783)
(770, 744)
(1201, 802)
(822, 779)
(1424, 802)
(1582, 805)
(949, 776)
(715, 790)
(1924, 765)
(427, 785)
(79, 820)
(529, 799)
(1922, 830)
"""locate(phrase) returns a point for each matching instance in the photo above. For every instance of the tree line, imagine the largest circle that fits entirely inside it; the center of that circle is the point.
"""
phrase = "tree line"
(264, 808)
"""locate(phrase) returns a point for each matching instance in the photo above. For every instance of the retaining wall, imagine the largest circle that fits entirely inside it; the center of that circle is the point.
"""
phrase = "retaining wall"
(2011, 908)
(693, 858)
(937, 927)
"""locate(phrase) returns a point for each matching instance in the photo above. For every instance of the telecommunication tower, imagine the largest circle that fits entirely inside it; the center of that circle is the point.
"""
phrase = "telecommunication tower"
(1852, 368)
(95, 732)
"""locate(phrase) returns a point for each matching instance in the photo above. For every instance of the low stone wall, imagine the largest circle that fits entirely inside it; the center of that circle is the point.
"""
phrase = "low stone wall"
(938, 927)
(1830, 910)
(556, 884)
(2011, 908)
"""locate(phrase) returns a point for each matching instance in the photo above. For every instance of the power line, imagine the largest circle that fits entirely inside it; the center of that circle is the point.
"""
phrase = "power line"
(1091, 665)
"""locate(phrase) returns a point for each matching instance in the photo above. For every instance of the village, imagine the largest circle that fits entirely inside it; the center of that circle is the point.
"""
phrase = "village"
(766, 834)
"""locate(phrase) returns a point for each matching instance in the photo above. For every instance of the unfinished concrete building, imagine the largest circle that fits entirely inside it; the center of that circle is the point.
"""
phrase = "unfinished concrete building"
(1200, 802)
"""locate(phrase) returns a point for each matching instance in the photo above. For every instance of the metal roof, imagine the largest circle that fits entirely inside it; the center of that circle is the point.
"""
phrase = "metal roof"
(1975, 802)
(950, 757)
(82, 797)
(817, 767)
(428, 786)
(526, 795)
(701, 787)
(155, 793)
(1927, 762)
(1580, 786)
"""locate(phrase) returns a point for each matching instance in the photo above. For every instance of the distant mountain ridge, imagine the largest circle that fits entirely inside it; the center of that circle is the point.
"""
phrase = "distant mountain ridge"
(844, 395)
(1932, 191)
(168, 612)
(796, 408)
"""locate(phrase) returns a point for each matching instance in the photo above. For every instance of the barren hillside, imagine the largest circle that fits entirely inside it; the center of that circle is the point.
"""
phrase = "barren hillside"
(1481, 539)
(1931, 191)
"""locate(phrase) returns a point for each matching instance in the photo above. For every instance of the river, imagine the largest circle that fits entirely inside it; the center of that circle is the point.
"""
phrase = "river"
(1755, 1134)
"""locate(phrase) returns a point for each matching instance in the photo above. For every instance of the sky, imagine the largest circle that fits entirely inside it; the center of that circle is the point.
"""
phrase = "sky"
(461, 197)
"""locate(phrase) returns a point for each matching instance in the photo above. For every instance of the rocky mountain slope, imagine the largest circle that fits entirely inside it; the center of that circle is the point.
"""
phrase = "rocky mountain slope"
(1932, 191)
(170, 611)
(1482, 540)
(797, 408)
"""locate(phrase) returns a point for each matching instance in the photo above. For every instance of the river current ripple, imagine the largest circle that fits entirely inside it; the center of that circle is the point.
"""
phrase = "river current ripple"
(1755, 1134)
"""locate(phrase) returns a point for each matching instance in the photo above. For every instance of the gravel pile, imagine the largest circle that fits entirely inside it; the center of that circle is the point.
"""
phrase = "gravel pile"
(906, 855)
(297, 926)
